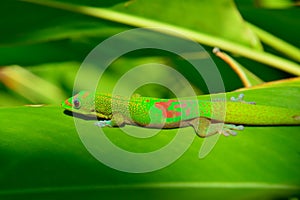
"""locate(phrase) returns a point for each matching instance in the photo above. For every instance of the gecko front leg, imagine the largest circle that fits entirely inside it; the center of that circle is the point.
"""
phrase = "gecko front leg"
(117, 120)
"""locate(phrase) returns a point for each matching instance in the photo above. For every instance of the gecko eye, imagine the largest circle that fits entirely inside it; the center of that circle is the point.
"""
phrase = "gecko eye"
(76, 103)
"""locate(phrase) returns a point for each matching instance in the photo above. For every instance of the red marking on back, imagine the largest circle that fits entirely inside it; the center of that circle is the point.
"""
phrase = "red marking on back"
(85, 94)
(183, 105)
(164, 106)
(188, 112)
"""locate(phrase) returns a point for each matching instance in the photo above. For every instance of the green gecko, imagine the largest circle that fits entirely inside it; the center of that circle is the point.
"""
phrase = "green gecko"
(174, 113)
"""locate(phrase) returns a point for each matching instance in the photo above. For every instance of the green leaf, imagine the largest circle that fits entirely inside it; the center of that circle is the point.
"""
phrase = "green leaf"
(277, 4)
(201, 37)
(192, 14)
(50, 25)
(48, 160)
(23, 82)
(282, 93)
(42, 157)
(220, 12)
(277, 43)
(41, 152)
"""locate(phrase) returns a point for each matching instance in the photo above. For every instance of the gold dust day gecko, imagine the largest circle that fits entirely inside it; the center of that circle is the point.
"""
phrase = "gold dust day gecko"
(174, 113)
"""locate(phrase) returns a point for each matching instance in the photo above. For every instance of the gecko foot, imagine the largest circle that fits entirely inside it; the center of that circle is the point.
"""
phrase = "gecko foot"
(240, 99)
(204, 127)
(229, 129)
(103, 123)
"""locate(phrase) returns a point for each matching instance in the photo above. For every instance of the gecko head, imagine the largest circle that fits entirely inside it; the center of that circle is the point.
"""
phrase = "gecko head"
(80, 103)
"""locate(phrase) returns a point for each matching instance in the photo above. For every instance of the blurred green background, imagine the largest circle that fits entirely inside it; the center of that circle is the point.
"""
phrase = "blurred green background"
(42, 45)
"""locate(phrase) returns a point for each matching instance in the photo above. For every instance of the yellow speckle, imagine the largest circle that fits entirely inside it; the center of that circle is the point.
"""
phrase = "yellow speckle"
(296, 117)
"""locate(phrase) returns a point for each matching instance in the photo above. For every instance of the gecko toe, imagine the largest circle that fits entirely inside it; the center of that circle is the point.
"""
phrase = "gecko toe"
(102, 124)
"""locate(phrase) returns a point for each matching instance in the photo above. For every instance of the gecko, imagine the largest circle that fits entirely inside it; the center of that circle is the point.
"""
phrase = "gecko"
(206, 117)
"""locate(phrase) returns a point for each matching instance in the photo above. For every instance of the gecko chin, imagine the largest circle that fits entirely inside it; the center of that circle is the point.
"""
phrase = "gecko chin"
(81, 116)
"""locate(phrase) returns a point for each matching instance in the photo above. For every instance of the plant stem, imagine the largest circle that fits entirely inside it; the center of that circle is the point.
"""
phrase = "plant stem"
(277, 43)
(260, 56)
